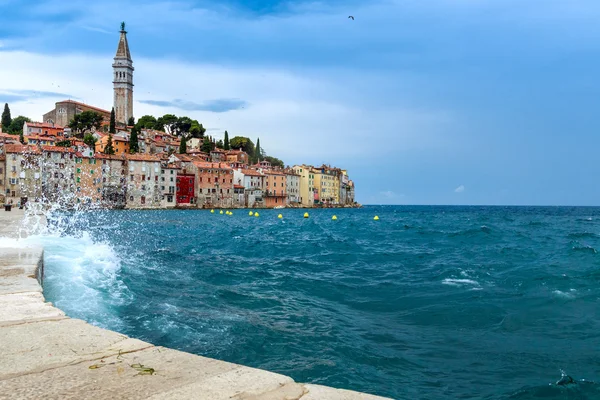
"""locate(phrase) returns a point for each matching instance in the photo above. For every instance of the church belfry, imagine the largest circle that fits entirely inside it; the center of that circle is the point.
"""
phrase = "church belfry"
(123, 80)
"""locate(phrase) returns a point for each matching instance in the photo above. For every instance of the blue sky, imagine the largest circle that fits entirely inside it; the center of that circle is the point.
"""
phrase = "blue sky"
(424, 102)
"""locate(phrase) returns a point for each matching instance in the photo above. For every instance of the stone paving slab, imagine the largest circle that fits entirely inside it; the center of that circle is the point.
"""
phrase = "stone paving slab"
(26, 307)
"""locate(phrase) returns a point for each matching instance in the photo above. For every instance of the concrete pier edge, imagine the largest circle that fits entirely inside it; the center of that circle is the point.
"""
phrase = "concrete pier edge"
(45, 354)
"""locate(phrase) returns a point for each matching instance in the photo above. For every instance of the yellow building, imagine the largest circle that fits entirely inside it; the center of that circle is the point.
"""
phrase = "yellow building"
(307, 184)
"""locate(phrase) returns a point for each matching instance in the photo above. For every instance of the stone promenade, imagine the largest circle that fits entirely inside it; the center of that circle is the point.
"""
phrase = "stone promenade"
(46, 355)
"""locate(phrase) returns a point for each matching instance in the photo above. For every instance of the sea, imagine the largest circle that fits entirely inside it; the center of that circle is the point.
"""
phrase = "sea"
(428, 302)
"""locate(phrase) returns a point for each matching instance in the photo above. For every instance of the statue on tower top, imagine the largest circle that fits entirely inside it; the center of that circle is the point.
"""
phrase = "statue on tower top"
(123, 26)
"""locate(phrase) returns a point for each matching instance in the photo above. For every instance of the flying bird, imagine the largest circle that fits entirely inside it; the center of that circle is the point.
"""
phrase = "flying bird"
(350, 16)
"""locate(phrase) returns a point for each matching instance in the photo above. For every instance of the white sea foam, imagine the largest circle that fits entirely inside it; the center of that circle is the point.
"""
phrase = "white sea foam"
(565, 295)
(459, 282)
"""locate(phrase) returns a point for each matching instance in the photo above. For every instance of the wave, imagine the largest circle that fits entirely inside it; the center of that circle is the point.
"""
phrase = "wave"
(459, 282)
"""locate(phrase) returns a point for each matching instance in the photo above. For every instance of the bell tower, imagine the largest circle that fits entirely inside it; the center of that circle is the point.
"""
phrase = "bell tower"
(123, 80)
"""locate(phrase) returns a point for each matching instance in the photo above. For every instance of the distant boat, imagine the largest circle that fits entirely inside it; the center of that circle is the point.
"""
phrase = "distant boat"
(278, 207)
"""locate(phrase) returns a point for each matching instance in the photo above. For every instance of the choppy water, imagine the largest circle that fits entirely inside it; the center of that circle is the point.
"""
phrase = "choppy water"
(427, 303)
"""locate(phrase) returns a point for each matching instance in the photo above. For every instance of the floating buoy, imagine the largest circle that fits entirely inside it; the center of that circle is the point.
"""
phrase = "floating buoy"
(230, 212)
(305, 215)
(256, 214)
(250, 213)
(280, 216)
(212, 211)
(376, 218)
(221, 212)
(334, 218)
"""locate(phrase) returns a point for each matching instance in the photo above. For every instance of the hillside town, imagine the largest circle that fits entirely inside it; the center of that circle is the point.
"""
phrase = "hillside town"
(82, 154)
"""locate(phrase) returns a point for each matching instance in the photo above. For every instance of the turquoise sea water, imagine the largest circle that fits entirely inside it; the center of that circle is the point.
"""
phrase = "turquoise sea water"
(427, 303)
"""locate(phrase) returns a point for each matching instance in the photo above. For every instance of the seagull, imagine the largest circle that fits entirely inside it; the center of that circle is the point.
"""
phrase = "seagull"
(350, 16)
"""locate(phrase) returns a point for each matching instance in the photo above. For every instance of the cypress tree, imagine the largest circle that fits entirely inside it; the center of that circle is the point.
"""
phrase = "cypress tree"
(109, 149)
(183, 146)
(257, 150)
(134, 146)
(6, 118)
(21, 138)
(113, 122)
(206, 145)
(131, 121)
(226, 141)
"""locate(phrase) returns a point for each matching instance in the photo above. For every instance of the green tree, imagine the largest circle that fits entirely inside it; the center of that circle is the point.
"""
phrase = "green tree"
(244, 143)
(134, 146)
(113, 122)
(16, 125)
(85, 121)
(90, 140)
(64, 143)
(21, 138)
(183, 145)
(275, 162)
(206, 145)
(6, 118)
(167, 122)
(109, 149)
(146, 122)
(131, 121)
(219, 144)
(226, 142)
(197, 130)
(257, 151)
(183, 125)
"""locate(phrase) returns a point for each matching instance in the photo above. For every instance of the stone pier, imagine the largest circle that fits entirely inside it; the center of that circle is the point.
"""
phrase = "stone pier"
(47, 355)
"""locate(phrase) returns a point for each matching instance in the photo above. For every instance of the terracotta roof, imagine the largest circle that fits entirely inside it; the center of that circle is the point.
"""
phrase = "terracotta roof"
(238, 186)
(43, 125)
(84, 105)
(2, 157)
(251, 172)
(202, 164)
(272, 172)
(40, 137)
(141, 157)
(58, 149)
(119, 157)
(20, 148)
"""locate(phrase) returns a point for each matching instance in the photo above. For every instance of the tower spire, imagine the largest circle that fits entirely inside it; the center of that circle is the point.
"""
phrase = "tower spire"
(123, 79)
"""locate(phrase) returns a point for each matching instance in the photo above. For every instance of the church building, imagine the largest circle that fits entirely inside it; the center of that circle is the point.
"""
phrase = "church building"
(64, 111)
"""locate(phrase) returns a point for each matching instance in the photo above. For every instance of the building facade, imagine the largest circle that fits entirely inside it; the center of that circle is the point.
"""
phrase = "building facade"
(64, 112)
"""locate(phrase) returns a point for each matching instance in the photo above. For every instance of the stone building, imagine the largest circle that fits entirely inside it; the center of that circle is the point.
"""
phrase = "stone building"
(114, 180)
(143, 189)
(57, 168)
(23, 178)
(123, 80)
(64, 112)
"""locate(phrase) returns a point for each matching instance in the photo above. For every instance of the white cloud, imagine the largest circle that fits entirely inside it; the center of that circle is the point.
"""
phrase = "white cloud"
(460, 189)
(299, 118)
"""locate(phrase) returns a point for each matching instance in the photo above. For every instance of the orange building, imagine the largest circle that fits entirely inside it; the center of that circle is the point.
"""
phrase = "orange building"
(275, 188)
(120, 144)
(41, 129)
(214, 183)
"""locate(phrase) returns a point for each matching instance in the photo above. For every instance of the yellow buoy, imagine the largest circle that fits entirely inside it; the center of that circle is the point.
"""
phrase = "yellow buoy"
(305, 215)
(280, 216)
(256, 214)
(334, 218)
(212, 211)
(376, 218)
(250, 213)
(230, 212)
(221, 212)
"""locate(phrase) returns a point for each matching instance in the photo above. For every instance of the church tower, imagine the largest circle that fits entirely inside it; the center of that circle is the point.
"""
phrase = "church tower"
(123, 80)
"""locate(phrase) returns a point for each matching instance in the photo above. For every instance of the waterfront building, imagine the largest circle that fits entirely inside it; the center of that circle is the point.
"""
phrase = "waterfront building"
(57, 169)
(275, 188)
(114, 179)
(307, 184)
(2, 178)
(23, 178)
(143, 189)
(88, 179)
(169, 184)
(292, 187)
(214, 183)
(253, 183)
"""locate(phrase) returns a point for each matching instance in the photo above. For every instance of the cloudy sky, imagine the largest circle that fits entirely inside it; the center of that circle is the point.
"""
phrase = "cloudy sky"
(423, 101)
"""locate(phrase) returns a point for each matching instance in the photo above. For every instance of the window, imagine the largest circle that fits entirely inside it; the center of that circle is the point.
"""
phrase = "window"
(143, 200)
(143, 177)
(143, 187)
(131, 177)
(171, 172)
(130, 198)
(92, 171)
(78, 179)
(156, 178)
(169, 199)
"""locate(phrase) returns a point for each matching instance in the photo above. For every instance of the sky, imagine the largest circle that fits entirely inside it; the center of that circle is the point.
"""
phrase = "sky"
(485, 102)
